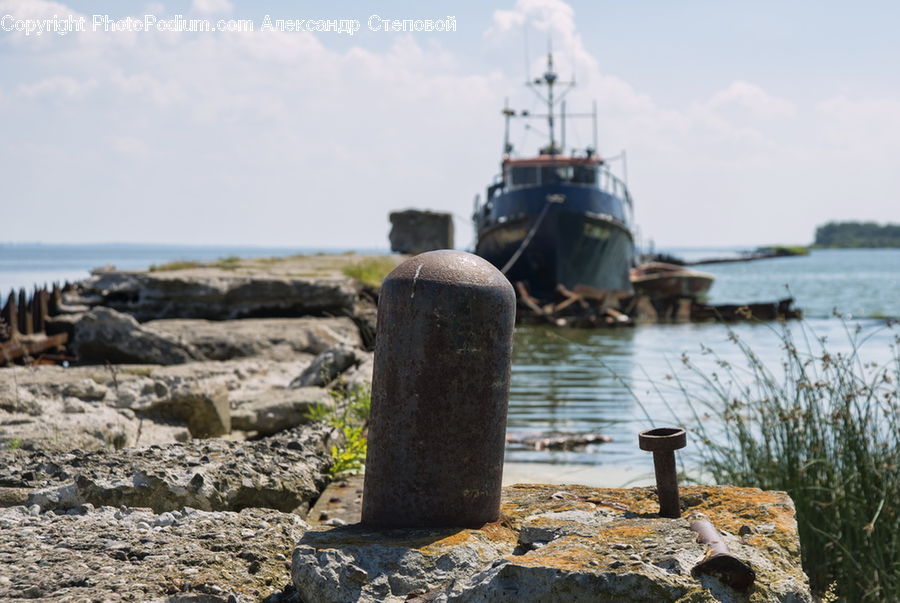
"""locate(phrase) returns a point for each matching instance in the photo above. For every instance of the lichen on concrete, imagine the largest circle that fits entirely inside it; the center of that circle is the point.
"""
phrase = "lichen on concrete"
(556, 543)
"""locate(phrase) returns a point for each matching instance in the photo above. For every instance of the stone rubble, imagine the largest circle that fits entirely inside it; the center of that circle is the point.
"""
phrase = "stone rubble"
(107, 553)
(135, 405)
(220, 294)
(285, 472)
(105, 335)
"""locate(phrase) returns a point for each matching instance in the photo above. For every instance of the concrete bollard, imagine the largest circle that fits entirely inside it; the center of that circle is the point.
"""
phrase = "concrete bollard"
(439, 393)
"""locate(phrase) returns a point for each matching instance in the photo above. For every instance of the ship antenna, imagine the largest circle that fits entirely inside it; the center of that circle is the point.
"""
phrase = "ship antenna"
(507, 113)
(550, 78)
(562, 127)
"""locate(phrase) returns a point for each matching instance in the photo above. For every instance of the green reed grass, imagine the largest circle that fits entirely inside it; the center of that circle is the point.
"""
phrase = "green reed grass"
(823, 427)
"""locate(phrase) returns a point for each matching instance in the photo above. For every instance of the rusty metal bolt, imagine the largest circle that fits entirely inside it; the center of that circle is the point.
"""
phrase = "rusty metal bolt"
(663, 442)
(719, 561)
(439, 393)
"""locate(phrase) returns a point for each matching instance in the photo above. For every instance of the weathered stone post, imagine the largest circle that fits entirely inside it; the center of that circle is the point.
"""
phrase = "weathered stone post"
(439, 393)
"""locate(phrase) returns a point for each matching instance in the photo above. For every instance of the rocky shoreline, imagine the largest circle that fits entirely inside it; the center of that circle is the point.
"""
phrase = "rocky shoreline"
(176, 460)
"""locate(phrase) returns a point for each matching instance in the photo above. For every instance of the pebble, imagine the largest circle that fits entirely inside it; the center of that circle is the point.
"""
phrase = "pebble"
(164, 520)
(34, 510)
(32, 592)
(335, 522)
(143, 525)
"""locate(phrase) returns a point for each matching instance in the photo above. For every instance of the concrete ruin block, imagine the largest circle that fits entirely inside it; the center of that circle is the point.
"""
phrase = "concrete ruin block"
(414, 231)
(564, 543)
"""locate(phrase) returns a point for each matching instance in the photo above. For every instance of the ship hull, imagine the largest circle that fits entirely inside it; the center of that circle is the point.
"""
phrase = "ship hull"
(581, 241)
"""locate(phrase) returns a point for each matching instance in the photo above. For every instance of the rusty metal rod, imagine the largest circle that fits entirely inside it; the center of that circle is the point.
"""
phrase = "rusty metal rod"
(719, 561)
(663, 442)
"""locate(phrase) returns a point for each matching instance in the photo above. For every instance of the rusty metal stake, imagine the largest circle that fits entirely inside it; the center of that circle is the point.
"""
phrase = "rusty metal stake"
(719, 561)
(663, 442)
(439, 393)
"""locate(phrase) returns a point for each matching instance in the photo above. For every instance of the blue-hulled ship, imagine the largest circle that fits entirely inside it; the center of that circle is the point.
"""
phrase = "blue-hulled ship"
(557, 220)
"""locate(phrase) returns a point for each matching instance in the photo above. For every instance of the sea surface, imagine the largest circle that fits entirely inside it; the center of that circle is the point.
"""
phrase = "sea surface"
(615, 382)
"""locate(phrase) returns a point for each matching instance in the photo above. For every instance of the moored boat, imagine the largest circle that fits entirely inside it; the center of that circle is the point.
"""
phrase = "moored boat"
(659, 280)
(557, 218)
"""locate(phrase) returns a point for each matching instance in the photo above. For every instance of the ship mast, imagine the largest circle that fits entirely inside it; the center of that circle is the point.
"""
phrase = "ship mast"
(550, 79)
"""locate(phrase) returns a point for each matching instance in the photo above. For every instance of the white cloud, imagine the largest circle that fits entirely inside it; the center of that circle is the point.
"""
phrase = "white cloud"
(211, 6)
(34, 9)
(56, 87)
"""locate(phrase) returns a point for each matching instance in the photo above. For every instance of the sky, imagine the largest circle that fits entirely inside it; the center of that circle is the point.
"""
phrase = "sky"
(744, 123)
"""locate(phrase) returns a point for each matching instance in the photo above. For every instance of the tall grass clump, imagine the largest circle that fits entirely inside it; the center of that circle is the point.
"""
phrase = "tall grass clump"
(822, 426)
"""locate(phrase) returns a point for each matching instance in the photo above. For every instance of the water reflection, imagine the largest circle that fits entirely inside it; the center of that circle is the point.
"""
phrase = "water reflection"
(569, 380)
(619, 382)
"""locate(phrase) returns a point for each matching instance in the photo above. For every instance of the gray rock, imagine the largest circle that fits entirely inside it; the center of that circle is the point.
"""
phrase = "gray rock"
(275, 338)
(284, 472)
(206, 412)
(105, 335)
(278, 409)
(102, 555)
(360, 376)
(327, 367)
(220, 294)
(86, 389)
(37, 412)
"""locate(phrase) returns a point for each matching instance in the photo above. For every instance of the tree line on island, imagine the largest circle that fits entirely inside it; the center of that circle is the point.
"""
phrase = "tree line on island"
(857, 235)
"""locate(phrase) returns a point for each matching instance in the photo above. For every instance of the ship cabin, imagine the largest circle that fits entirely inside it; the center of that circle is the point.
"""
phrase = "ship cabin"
(587, 171)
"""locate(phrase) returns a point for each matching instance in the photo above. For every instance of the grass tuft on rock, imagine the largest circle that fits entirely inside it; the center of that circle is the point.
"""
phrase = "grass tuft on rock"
(370, 271)
(823, 427)
(350, 416)
(176, 265)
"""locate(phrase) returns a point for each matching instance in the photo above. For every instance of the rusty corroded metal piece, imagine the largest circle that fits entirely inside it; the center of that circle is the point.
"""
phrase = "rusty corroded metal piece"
(719, 561)
(663, 442)
(439, 393)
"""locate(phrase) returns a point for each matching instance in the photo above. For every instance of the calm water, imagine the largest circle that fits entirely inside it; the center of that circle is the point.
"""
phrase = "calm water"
(602, 381)
(861, 282)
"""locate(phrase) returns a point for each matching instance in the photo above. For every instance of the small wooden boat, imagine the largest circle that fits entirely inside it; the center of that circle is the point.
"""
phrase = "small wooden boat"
(659, 280)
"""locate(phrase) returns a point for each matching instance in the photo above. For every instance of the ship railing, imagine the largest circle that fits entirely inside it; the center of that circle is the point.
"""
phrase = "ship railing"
(532, 176)
(612, 184)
